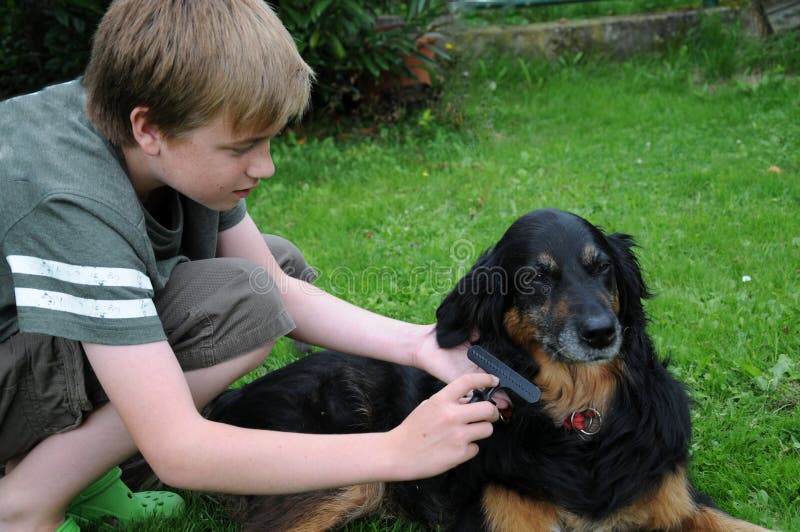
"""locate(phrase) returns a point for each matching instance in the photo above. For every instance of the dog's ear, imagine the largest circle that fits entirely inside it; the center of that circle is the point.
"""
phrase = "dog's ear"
(630, 284)
(474, 305)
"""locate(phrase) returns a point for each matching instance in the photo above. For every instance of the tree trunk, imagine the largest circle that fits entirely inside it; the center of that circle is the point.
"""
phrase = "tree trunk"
(757, 18)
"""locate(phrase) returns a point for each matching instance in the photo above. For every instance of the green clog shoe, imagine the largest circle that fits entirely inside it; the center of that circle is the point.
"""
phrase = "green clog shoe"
(69, 526)
(109, 498)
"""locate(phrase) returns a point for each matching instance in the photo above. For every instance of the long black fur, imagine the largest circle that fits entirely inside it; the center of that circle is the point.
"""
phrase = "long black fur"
(645, 434)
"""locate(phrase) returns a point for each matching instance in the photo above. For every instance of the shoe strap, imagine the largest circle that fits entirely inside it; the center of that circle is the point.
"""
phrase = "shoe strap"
(99, 485)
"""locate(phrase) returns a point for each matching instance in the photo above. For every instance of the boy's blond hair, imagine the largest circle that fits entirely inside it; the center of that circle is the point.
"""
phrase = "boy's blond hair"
(190, 61)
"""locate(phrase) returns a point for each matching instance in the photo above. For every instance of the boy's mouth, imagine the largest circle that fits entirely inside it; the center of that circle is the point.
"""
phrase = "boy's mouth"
(243, 193)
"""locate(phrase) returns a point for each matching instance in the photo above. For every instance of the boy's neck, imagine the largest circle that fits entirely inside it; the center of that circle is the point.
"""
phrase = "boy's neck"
(143, 176)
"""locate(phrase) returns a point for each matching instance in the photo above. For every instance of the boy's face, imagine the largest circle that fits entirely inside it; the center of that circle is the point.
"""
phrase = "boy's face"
(216, 167)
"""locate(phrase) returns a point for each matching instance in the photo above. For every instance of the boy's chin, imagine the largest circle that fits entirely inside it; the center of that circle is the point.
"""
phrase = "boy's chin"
(222, 204)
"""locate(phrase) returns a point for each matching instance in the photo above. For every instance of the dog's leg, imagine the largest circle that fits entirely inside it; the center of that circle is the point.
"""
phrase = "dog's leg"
(672, 507)
(312, 511)
(712, 520)
(667, 508)
(507, 511)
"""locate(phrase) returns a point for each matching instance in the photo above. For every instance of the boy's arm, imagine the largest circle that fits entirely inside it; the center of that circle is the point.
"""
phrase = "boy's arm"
(149, 391)
(325, 320)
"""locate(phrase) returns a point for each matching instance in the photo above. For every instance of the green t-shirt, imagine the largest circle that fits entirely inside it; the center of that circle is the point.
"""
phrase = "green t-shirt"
(81, 257)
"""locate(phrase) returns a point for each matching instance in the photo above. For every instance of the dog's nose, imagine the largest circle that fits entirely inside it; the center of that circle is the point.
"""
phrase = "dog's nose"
(598, 331)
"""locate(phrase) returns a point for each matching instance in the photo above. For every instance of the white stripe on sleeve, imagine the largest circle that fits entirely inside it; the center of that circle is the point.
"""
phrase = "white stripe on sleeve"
(85, 275)
(94, 308)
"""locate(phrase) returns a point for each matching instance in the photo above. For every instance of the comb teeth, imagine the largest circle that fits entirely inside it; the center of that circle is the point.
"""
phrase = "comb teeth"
(509, 378)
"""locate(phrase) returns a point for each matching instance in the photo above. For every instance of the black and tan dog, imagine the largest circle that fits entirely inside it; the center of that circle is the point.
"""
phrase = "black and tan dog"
(606, 448)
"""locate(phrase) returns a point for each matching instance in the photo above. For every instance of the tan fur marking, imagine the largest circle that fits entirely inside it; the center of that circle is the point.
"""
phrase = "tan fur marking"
(508, 511)
(548, 260)
(588, 254)
(566, 388)
(669, 508)
(350, 503)
(562, 311)
(521, 331)
(665, 509)
(711, 520)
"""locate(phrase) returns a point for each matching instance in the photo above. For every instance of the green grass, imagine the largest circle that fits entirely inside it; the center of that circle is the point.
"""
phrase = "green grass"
(703, 170)
(518, 15)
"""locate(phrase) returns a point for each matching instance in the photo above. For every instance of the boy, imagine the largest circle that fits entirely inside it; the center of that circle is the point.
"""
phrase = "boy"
(134, 287)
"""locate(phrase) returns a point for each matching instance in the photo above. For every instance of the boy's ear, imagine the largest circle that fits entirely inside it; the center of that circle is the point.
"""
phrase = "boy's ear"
(146, 134)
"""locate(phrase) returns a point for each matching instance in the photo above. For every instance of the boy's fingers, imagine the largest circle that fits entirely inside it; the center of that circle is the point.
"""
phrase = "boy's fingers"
(466, 383)
(480, 411)
(479, 431)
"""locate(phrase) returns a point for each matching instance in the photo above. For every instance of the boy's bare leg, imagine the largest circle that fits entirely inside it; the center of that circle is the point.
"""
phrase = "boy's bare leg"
(37, 490)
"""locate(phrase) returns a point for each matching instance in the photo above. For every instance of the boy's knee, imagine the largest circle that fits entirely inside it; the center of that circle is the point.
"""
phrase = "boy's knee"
(219, 309)
(290, 258)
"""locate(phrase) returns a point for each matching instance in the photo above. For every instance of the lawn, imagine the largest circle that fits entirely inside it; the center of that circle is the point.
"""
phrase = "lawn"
(694, 151)
(515, 15)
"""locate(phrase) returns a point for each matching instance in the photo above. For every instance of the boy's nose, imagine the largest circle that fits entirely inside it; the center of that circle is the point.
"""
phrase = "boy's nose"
(261, 165)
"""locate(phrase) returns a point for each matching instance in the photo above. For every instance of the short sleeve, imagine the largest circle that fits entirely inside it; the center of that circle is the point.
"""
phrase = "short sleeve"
(228, 219)
(81, 273)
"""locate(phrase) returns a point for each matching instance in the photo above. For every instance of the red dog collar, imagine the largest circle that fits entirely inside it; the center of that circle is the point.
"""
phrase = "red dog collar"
(586, 422)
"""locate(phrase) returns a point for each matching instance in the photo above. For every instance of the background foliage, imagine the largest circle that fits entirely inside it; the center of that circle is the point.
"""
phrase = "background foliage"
(44, 41)
(48, 41)
(349, 44)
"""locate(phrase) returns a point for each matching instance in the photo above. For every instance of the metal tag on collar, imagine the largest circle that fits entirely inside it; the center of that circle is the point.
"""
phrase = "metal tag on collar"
(509, 378)
(591, 421)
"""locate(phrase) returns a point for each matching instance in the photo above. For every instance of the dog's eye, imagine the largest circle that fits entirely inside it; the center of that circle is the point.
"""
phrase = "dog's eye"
(602, 268)
(530, 280)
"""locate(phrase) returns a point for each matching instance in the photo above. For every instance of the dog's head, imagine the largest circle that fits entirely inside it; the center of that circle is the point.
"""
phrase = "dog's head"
(553, 283)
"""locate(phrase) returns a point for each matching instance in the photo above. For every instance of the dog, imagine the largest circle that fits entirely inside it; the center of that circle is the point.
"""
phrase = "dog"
(605, 449)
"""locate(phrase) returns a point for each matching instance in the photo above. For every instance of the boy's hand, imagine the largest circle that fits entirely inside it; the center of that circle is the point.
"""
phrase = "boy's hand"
(447, 364)
(441, 432)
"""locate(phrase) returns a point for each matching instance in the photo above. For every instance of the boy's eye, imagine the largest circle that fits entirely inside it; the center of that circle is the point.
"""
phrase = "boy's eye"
(244, 149)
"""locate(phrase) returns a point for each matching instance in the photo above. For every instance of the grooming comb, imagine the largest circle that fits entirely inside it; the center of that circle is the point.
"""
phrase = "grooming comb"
(509, 378)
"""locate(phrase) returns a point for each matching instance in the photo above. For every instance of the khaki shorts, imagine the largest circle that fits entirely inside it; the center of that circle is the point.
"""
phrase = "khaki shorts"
(211, 310)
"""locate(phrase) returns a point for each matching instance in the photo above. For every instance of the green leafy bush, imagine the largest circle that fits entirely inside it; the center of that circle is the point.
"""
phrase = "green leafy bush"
(47, 41)
(44, 41)
(351, 44)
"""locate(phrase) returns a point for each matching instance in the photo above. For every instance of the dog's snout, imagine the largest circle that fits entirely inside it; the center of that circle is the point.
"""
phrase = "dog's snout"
(598, 331)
